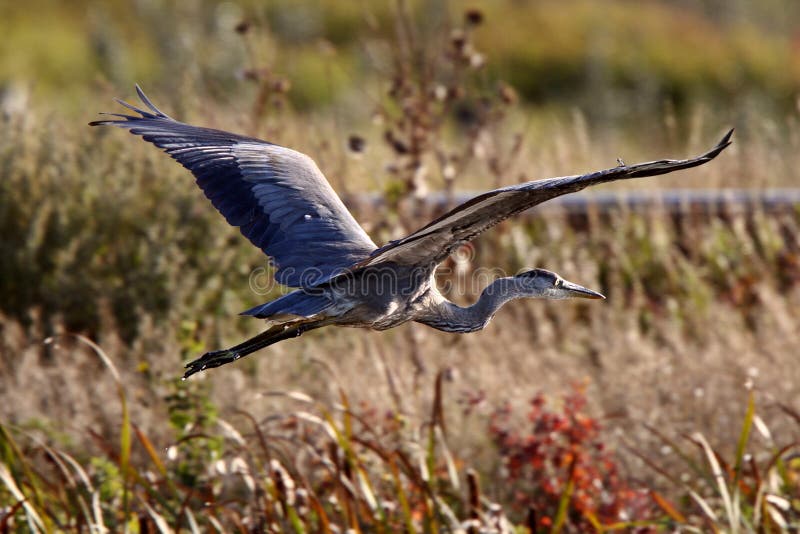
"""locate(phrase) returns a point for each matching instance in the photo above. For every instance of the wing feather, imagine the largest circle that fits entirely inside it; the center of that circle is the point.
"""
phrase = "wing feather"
(431, 244)
(278, 197)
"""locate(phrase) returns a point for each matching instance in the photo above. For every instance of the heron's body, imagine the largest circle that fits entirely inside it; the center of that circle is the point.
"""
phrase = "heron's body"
(283, 204)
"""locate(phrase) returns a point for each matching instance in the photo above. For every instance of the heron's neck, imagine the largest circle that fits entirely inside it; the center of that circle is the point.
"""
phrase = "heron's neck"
(450, 317)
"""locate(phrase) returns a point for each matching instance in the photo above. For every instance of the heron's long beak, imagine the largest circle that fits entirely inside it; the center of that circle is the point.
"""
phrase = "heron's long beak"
(574, 290)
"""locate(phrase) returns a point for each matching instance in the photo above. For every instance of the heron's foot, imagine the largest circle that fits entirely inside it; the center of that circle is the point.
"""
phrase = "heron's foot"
(210, 359)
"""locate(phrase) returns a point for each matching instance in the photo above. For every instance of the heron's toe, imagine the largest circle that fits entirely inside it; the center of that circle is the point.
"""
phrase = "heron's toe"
(208, 360)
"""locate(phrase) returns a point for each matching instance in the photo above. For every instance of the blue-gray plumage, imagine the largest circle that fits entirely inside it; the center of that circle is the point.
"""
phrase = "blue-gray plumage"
(276, 196)
(283, 204)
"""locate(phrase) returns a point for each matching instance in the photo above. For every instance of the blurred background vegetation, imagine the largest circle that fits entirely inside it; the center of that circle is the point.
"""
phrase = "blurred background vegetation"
(102, 236)
(617, 58)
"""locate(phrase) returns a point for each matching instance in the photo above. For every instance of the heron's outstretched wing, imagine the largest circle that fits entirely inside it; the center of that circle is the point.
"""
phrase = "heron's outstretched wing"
(278, 197)
(431, 244)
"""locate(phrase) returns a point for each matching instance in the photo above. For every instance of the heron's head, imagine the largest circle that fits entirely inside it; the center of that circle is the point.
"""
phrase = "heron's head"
(546, 284)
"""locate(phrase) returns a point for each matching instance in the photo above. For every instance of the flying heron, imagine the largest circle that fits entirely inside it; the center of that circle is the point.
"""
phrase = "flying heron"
(283, 204)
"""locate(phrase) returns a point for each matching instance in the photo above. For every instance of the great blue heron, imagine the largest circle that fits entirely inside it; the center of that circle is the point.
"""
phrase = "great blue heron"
(283, 204)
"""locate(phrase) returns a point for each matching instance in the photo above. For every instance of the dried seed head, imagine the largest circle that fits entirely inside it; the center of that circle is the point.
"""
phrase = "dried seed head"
(419, 134)
(473, 17)
(397, 87)
(479, 149)
(477, 60)
(399, 146)
(248, 74)
(458, 39)
(243, 27)
(455, 93)
(356, 144)
(440, 92)
(507, 94)
(281, 85)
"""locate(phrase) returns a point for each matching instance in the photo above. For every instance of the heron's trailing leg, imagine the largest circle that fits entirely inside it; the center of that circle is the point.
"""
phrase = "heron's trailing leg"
(264, 339)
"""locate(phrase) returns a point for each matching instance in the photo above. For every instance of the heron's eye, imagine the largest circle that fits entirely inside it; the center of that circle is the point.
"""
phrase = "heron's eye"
(559, 283)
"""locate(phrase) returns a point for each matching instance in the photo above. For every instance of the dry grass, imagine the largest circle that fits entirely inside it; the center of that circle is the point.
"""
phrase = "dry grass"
(698, 307)
(104, 237)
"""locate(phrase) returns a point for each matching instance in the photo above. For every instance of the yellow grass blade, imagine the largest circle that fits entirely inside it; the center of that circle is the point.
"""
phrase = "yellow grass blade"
(667, 507)
(563, 503)
(719, 477)
(125, 427)
(401, 496)
(158, 519)
(34, 520)
(744, 436)
(151, 451)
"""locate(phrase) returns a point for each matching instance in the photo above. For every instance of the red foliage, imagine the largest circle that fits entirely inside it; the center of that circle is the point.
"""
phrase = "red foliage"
(561, 447)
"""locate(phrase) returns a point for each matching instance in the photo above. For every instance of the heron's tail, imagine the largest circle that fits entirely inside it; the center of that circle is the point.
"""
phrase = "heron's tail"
(300, 303)
(264, 339)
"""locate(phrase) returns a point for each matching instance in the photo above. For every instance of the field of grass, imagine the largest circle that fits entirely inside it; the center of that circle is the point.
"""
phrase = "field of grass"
(672, 405)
